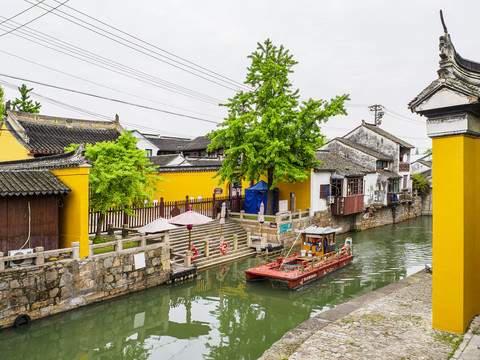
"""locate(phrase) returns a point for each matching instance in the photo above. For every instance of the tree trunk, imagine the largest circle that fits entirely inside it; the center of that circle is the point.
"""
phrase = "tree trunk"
(269, 207)
(98, 233)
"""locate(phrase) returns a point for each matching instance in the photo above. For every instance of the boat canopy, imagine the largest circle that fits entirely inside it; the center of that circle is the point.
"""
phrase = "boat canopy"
(318, 230)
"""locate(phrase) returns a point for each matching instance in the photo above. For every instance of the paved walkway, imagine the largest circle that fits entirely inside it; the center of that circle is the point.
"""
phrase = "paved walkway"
(393, 322)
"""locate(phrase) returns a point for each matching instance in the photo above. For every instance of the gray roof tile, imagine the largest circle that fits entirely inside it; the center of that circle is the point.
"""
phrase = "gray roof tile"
(30, 182)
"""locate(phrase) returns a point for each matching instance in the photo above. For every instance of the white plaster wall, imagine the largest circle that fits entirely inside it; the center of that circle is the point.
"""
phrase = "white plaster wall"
(317, 179)
(370, 182)
(144, 144)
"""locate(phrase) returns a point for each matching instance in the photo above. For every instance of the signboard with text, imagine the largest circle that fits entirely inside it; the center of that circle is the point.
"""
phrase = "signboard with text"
(285, 228)
(218, 191)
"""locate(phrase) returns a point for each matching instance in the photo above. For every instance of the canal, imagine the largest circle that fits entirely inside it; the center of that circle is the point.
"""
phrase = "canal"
(218, 315)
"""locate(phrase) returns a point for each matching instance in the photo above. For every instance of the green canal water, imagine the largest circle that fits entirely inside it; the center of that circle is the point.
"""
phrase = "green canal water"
(215, 316)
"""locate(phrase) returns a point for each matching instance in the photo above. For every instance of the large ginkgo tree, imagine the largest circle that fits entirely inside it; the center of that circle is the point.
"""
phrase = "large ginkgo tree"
(269, 132)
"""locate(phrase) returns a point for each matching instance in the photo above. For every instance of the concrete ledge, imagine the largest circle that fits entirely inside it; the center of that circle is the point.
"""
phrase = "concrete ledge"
(284, 347)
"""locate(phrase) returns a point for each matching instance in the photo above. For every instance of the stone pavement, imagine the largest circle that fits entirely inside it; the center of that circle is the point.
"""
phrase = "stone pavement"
(393, 322)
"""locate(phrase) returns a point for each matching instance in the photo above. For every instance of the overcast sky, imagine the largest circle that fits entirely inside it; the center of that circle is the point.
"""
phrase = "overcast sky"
(379, 52)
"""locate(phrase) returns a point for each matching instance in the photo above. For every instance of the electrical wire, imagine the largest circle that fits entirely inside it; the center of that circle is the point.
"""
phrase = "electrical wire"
(129, 46)
(110, 99)
(234, 82)
(117, 68)
(22, 12)
(104, 86)
(38, 17)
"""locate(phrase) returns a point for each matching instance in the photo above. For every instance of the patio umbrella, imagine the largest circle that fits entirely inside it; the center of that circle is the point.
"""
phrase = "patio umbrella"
(189, 219)
(156, 226)
(222, 217)
(261, 218)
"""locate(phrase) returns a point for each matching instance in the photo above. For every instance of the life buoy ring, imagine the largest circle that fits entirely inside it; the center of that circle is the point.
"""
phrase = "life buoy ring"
(194, 256)
(21, 320)
(223, 247)
(223, 271)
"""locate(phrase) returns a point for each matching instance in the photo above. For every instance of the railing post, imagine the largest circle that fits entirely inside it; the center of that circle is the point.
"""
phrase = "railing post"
(2, 263)
(186, 203)
(162, 208)
(40, 258)
(290, 216)
(75, 250)
(166, 238)
(110, 230)
(143, 240)
(213, 206)
(278, 217)
(119, 245)
(235, 241)
(124, 230)
(90, 249)
(125, 219)
(299, 213)
(206, 250)
(249, 239)
(187, 262)
(242, 214)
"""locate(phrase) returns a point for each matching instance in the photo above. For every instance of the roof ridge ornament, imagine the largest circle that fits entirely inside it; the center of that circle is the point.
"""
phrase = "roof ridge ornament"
(443, 22)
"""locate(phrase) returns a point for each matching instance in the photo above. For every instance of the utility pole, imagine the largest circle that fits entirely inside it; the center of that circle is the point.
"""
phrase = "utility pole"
(378, 111)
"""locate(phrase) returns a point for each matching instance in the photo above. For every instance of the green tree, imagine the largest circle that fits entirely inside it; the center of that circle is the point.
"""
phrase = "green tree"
(428, 151)
(268, 132)
(421, 184)
(121, 176)
(24, 104)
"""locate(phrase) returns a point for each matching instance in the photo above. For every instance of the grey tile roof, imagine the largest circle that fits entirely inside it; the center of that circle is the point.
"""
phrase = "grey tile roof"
(387, 135)
(68, 160)
(389, 175)
(199, 143)
(162, 160)
(364, 149)
(425, 162)
(204, 161)
(42, 134)
(168, 144)
(30, 182)
(336, 163)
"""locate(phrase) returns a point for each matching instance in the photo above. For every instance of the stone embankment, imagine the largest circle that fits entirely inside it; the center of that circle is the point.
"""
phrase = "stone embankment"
(53, 287)
(393, 322)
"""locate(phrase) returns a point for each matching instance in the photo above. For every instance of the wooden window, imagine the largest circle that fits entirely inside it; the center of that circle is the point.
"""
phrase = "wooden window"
(324, 191)
(394, 186)
(354, 186)
(336, 187)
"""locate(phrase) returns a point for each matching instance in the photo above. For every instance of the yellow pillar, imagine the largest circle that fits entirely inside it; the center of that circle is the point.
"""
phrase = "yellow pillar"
(73, 226)
(456, 232)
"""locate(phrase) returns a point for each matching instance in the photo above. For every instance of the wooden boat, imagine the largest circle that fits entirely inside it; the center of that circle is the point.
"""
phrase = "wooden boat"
(318, 257)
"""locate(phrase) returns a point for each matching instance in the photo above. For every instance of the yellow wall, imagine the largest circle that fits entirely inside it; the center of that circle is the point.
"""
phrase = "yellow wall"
(456, 232)
(73, 224)
(194, 184)
(301, 190)
(10, 148)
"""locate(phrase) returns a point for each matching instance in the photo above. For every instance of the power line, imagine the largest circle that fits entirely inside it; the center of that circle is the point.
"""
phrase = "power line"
(158, 48)
(22, 12)
(38, 17)
(101, 85)
(111, 99)
(129, 46)
(91, 58)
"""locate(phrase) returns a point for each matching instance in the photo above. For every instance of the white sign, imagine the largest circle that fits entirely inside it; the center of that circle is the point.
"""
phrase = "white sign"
(139, 260)
(283, 206)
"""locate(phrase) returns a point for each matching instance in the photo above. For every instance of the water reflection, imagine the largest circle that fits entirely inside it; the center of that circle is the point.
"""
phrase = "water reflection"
(219, 315)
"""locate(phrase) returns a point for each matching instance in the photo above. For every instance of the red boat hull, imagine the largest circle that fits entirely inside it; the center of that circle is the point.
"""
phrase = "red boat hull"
(293, 275)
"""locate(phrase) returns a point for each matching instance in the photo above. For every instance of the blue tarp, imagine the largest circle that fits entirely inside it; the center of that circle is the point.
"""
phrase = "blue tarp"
(257, 194)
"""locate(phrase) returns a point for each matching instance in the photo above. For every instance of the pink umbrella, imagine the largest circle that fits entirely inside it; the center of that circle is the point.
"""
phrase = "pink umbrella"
(261, 218)
(190, 218)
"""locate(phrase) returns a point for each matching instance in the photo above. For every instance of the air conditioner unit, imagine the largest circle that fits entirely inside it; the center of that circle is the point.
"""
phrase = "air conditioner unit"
(20, 262)
(330, 200)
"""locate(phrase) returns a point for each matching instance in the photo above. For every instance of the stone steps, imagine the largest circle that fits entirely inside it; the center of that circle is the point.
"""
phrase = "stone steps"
(211, 231)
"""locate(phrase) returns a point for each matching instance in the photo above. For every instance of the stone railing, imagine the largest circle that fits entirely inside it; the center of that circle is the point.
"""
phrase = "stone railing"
(403, 167)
